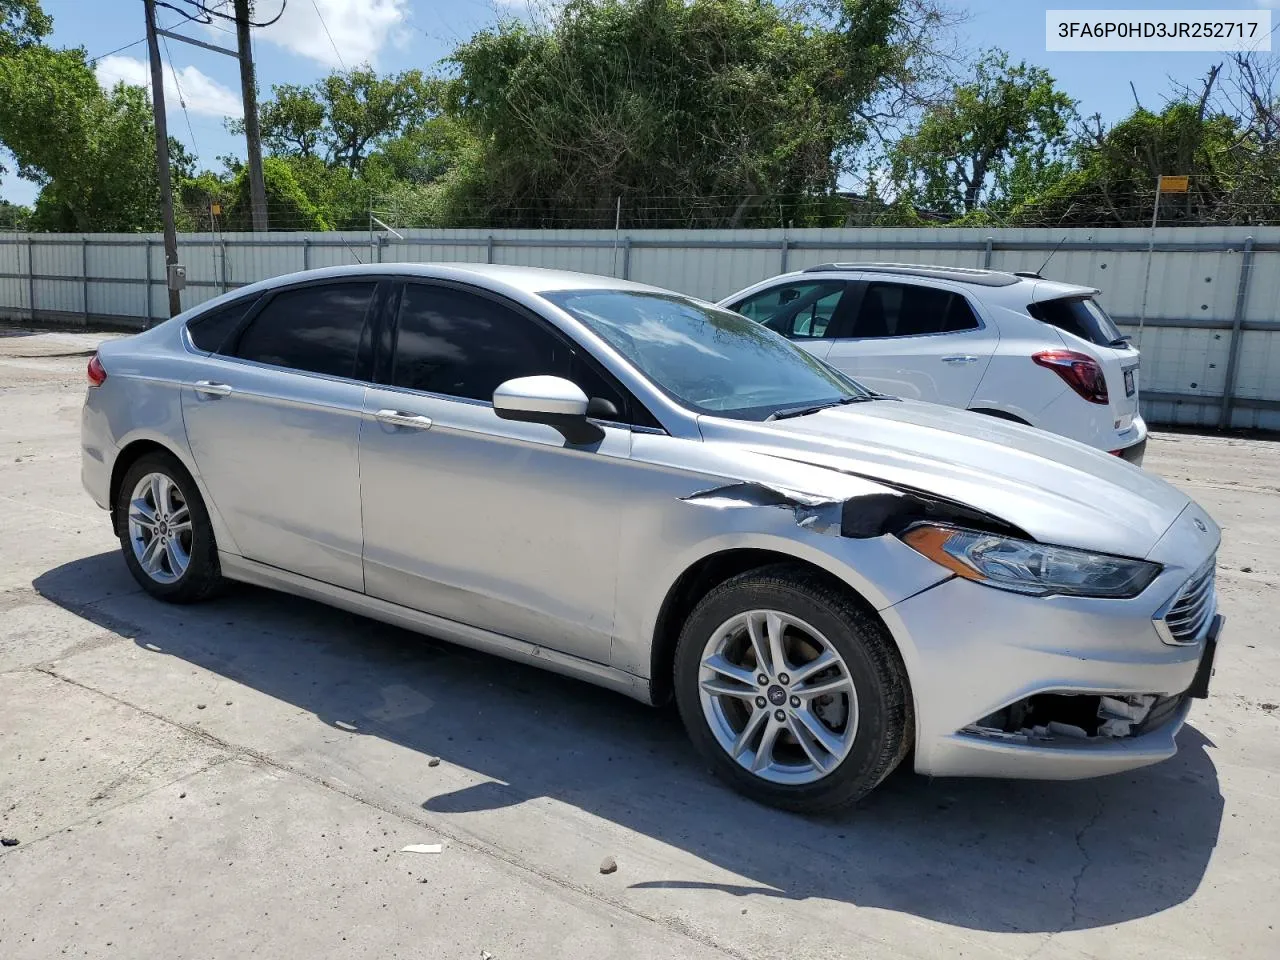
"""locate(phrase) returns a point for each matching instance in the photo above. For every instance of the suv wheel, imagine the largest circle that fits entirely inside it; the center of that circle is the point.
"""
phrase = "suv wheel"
(794, 694)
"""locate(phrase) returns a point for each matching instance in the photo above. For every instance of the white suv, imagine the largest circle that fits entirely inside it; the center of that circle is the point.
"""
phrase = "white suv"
(1014, 346)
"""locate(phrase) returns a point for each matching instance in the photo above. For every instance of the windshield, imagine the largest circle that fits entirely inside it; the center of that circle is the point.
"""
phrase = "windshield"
(1082, 316)
(705, 358)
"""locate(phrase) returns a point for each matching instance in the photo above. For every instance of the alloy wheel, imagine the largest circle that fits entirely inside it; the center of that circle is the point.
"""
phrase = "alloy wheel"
(160, 528)
(778, 697)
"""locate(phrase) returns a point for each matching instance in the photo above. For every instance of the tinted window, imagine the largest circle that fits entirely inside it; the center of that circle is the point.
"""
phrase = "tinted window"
(463, 345)
(795, 309)
(908, 310)
(706, 358)
(1081, 316)
(209, 331)
(316, 329)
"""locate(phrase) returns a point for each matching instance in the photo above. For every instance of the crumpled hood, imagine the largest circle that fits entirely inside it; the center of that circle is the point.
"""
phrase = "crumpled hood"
(1057, 490)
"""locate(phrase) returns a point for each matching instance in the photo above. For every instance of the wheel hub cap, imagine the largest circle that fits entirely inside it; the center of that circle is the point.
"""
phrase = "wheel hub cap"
(777, 696)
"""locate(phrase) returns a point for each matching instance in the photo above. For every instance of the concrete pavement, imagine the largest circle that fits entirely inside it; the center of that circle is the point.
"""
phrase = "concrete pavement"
(238, 777)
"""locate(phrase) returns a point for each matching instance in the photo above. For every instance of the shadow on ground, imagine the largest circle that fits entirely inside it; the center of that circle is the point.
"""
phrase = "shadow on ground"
(988, 855)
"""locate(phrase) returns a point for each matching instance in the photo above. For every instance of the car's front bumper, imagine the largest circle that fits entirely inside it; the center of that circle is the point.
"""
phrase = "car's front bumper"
(972, 651)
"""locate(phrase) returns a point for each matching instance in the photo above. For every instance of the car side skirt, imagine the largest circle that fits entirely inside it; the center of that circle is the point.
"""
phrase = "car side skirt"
(239, 568)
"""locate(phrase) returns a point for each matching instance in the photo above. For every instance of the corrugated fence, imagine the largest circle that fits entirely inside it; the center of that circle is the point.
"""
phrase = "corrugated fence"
(1210, 342)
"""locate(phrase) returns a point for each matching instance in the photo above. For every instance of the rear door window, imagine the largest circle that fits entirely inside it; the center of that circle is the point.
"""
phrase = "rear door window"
(1081, 316)
(316, 329)
(801, 311)
(911, 310)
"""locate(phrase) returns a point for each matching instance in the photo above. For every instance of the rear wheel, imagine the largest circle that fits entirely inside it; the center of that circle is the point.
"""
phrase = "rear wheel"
(794, 694)
(165, 531)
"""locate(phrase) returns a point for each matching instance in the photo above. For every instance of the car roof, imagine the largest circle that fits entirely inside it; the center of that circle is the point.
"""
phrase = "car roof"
(496, 276)
(985, 278)
(1042, 289)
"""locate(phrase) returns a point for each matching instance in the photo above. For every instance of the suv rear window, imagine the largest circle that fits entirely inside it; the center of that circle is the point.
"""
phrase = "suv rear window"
(1082, 316)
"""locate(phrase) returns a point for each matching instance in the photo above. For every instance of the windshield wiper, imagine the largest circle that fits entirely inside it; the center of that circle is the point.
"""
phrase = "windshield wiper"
(788, 412)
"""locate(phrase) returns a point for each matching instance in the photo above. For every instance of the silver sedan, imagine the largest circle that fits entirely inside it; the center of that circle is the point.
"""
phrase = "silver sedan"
(642, 490)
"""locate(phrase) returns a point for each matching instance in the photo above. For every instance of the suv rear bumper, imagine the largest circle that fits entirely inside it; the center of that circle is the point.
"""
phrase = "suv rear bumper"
(1134, 452)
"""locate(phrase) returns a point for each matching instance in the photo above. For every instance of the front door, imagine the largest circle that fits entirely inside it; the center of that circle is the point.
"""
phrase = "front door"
(497, 524)
(273, 423)
(916, 341)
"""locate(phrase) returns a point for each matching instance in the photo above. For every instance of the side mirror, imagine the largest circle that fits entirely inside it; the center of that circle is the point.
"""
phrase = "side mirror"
(555, 401)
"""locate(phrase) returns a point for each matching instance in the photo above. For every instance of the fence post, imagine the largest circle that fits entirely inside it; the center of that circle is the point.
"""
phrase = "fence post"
(31, 281)
(1237, 323)
(786, 245)
(488, 250)
(306, 253)
(223, 242)
(146, 320)
(986, 255)
(626, 258)
(84, 272)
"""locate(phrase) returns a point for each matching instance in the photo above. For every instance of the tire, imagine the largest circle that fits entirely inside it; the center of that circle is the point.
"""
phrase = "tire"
(183, 530)
(869, 664)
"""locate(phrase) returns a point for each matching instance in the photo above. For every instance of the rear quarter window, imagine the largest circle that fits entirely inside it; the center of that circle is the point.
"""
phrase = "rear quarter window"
(210, 331)
(1081, 316)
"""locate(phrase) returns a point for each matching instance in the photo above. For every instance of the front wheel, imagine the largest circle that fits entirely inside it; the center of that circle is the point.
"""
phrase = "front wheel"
(794, 694)
(165, 531)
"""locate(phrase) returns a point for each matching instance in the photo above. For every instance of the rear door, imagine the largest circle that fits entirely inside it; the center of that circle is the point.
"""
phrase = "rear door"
(806, 311)
(915, 340)
(273, 421)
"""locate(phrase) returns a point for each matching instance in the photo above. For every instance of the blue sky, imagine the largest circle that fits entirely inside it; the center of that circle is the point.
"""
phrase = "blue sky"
(314, 36)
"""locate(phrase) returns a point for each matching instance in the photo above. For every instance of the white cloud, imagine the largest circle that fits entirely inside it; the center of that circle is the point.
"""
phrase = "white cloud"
(203, 95)
(359, 29)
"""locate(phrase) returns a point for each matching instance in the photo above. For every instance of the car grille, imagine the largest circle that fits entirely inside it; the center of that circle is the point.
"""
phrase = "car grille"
(1185, 620)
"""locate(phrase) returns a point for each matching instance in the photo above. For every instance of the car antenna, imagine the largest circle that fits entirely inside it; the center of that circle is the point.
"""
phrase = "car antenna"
(1051, 254)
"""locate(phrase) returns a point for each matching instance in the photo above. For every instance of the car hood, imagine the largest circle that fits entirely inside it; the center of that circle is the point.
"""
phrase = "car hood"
(1057, 490)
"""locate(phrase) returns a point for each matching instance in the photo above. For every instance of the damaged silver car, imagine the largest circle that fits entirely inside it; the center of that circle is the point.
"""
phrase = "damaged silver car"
(647, 492)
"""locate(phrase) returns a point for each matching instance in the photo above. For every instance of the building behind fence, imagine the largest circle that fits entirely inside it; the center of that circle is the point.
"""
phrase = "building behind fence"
(1210, 340)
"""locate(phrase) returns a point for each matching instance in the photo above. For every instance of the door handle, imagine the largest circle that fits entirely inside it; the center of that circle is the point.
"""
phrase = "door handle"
(211, 388)
(398, 418)
(960, 358)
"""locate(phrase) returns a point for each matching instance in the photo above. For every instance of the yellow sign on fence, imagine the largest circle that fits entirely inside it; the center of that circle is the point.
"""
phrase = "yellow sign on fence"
(1175, 184)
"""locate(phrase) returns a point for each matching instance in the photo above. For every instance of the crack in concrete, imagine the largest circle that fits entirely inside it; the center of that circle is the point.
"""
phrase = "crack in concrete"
(1084, 866)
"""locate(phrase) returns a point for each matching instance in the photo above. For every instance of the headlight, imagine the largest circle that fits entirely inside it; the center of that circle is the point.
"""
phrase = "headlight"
(1033, 568)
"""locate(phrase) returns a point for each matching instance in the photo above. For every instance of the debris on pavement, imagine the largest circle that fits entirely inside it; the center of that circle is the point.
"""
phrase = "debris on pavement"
(433, 762)
(423, 848)
(8, 841)
(608, 865)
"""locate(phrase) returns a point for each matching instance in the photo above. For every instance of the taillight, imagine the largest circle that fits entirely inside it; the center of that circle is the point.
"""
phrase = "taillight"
(1080, 372)
(97, 372)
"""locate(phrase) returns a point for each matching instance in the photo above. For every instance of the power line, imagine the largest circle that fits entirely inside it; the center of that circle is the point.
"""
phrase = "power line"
(181, 99)
(328, 34)
(103, 56)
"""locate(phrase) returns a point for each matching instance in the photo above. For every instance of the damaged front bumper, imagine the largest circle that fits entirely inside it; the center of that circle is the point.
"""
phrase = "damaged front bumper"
(1043, 688)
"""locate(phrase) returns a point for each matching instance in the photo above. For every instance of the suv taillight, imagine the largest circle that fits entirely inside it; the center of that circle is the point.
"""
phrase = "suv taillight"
(97, 372)
(1080, 372)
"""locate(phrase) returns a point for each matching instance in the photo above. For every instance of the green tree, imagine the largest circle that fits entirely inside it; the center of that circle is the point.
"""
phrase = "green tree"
(290, 207)
(998, 137)
(92, 152)
(344, 117)
(706, 111)
(22, 24)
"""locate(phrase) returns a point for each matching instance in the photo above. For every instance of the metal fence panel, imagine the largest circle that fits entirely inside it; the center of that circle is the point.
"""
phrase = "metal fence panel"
(1198, 303)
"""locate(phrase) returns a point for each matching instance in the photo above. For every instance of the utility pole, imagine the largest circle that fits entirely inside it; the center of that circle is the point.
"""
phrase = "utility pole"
(252, 134)
(162, 167)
